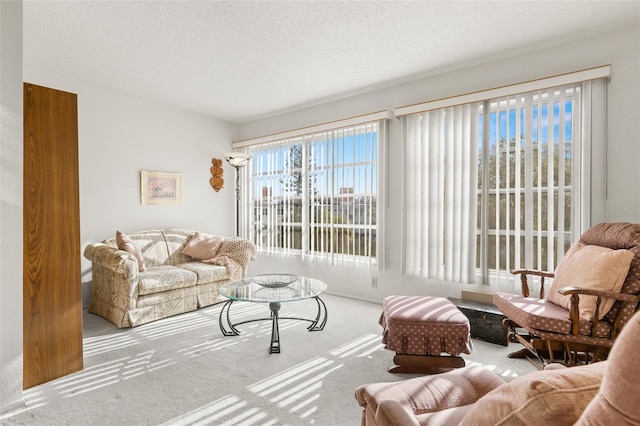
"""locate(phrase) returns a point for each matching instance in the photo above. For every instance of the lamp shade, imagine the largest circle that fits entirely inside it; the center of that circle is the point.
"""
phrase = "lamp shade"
(237, 159)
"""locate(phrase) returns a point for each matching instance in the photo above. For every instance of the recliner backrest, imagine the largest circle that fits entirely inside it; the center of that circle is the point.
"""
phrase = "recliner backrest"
(620, 235)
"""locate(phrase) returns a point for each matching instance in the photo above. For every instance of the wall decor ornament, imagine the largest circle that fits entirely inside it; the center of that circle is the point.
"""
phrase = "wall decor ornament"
(216, 179)
(160, 188)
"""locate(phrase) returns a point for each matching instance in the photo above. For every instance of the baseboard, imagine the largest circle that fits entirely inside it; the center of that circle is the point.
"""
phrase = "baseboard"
(477, 296)
(361, 299)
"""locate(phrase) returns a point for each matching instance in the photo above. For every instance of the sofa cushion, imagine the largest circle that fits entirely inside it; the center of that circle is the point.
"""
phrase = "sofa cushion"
(202, 246)
(125, 243)
(543, 397)
(206, 273)
(592, 267)
(163, 278)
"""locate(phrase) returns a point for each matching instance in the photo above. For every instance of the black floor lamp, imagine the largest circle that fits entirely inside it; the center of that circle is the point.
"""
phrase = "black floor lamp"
(237, 160)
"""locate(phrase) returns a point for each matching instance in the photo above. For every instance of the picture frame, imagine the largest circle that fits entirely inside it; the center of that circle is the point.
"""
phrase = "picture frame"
(160, 188)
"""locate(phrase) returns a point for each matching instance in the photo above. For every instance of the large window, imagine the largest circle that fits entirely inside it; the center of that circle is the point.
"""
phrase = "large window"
(500, 183)
(526, 198)
(316, 195)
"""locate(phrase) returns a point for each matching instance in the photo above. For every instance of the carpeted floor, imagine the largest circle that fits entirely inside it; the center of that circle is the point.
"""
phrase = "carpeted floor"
(183, 371)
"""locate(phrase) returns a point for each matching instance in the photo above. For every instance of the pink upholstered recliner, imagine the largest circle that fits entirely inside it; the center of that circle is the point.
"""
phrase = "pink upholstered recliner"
(602, 393)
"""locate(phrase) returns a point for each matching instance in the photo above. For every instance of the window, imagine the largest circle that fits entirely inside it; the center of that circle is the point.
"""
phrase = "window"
(501, 183)
(316, 195)
(525, 193)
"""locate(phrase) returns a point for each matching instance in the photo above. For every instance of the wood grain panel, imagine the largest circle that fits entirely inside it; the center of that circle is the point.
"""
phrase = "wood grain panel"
(51, 277)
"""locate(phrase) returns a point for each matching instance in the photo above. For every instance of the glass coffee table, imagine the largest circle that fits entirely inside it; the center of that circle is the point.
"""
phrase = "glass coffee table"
(273, 289)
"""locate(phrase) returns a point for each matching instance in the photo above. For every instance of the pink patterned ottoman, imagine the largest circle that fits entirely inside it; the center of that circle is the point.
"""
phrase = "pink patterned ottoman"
(420, 329)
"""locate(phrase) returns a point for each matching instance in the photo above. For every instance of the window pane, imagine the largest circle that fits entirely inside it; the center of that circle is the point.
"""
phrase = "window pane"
(325, 183)
(528, 165)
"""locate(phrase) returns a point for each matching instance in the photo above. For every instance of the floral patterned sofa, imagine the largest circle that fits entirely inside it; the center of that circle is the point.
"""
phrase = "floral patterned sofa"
(149, 275)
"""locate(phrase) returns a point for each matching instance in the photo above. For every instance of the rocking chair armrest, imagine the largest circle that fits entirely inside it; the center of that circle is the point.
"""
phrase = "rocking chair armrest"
(535, 272)
(624, 297)
(574, 312)
(523, 279)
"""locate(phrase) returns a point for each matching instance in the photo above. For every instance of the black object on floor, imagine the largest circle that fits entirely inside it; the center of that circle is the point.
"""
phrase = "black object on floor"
(485, 320)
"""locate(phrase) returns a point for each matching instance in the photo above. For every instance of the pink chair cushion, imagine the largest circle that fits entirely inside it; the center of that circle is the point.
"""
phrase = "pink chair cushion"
(542, 315)
(423, 325)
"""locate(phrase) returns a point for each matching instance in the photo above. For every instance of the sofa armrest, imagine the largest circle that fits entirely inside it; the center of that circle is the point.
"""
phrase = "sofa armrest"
(119, 261)
(114, 285)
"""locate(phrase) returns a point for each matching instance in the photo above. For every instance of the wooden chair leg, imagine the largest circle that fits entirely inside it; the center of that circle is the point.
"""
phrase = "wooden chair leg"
(425, 364)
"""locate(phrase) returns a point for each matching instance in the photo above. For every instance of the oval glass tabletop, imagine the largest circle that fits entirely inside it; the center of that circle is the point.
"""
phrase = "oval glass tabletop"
(270, 288)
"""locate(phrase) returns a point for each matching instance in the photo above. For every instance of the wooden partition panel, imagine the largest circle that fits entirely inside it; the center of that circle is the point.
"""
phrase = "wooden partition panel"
(51, 278)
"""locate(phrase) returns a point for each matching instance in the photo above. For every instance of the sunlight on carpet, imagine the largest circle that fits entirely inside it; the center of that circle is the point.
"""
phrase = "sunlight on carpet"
(191, 374)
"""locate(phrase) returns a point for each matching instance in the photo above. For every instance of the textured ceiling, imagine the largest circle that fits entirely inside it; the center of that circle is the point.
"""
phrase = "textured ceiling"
(240, 60)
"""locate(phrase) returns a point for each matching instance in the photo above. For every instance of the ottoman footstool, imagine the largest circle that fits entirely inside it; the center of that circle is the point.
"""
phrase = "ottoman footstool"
(420, 329)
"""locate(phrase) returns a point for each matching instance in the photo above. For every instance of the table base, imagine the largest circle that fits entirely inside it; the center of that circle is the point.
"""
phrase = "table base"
(228, 328)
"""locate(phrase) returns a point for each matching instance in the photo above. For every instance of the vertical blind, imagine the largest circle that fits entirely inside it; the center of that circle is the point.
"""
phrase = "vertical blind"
(440, 207)
(502, 183)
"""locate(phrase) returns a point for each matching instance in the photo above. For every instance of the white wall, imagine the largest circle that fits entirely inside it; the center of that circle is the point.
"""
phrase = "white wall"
(620, 48)
(118, 136)
(11, 164)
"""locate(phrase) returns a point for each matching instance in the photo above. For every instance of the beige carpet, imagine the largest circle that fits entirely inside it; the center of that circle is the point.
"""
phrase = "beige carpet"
(183, 371)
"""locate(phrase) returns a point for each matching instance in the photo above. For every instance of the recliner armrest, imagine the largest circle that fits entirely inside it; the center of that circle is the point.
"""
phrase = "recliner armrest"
(391, 413)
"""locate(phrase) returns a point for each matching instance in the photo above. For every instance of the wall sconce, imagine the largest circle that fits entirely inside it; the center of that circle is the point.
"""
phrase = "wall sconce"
(216, 179)
(237, 160)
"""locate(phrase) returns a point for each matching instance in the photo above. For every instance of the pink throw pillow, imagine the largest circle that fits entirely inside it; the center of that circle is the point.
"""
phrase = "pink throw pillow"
(127, 244)
(202, 246)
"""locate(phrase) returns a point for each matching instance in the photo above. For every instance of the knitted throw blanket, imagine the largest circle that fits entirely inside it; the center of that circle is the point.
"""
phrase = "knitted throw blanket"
(234, 253)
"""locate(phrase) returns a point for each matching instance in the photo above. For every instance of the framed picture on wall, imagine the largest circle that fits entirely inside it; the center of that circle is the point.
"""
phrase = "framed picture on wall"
(160, 188)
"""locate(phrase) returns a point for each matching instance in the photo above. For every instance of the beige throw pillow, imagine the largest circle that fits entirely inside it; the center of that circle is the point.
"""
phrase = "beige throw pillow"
(124, 242)
(592, 267)
(202, 246)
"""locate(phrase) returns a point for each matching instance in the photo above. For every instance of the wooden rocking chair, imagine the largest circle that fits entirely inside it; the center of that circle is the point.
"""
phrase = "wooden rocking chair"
(596, 290)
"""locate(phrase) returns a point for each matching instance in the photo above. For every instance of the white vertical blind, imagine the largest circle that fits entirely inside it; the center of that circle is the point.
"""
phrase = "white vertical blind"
(440, 209)
(523, 164)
